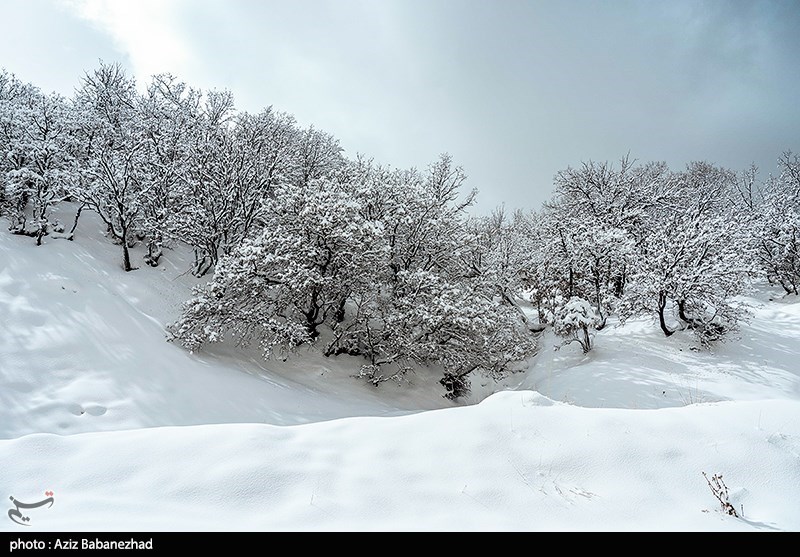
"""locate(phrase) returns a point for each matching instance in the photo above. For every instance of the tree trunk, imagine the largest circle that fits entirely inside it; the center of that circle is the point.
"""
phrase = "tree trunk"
(41, 231)
(619, 284)
(571, 282)
(75, 224)
(153, 253)
(126, 256)
(682, 313)
(598, 302)
(312, 315)
(339, 316)
(587, 341)
(203, 266)
(509, 300)
(662, 303)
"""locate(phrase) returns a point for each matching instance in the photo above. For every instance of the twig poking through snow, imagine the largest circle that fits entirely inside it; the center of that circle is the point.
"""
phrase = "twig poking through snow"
(720, 491)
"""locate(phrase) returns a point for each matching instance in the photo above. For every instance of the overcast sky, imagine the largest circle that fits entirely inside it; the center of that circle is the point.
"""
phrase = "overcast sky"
(514, 90)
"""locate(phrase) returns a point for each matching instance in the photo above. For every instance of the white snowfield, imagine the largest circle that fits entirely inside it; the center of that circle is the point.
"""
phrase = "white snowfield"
(130, 432)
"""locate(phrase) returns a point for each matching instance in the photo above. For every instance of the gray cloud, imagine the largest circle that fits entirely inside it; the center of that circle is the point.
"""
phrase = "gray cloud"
(514, 90)
(43, 43)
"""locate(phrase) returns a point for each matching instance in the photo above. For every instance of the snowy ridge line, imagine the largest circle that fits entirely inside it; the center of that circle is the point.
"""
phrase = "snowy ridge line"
(518, 461)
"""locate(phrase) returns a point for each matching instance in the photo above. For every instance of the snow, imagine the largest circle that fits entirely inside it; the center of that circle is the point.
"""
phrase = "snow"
(133, 433)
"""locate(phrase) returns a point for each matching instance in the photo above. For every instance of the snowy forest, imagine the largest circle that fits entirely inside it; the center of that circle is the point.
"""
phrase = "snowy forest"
(294, 243)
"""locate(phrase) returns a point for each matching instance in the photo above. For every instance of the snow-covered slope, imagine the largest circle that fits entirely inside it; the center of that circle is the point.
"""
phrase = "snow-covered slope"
(635, 366)
(82, 348)
(616, 440)
(517, 461)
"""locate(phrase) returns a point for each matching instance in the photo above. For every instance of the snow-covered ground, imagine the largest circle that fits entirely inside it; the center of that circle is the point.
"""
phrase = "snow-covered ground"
(133, 433)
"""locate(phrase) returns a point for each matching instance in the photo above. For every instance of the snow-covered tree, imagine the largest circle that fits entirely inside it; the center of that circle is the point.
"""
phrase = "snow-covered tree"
(575, 321)
(423, 216)
(587, 259)
(295, 276)
(435, 306)
(319, 156)
(234, 163)
(375, 260)
(12, 93)
(593, 223)
(503, 255)
(640, 239)
(428, 320)
(115, 175)
(36, 139)
(171, 124)
(778, 226)
(694, 259)
(205, 203)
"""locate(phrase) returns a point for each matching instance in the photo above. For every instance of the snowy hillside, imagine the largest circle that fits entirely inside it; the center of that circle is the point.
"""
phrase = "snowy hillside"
(133, 433)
